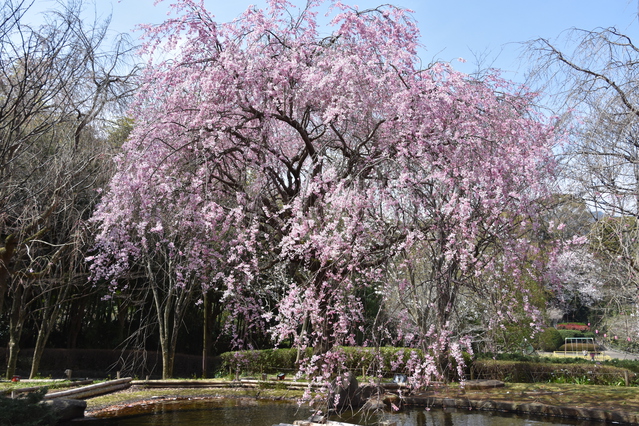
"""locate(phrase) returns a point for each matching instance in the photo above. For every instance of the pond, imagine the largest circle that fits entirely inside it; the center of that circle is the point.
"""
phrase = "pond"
(250, 412)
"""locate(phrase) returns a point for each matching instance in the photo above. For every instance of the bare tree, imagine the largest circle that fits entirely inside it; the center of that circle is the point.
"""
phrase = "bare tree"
(595, 89)
(56, 82)
(596, 83)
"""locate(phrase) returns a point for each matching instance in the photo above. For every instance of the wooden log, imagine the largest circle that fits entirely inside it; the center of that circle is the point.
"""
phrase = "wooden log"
(92, 390)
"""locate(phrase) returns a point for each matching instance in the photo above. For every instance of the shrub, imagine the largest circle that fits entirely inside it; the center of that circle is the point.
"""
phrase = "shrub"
(549, 340)
(534, 372)
(28, 410)
(382, 361)
(574, 333)
(578, 326)
(260, 361)
(360, 359)
(625, 345)
(628, 364)
(507, 356)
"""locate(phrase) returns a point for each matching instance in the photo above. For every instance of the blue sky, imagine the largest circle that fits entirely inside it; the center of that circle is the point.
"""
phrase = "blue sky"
(486, 30)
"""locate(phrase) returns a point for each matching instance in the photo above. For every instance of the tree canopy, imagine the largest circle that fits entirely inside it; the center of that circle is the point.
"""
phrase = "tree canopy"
(289, 170)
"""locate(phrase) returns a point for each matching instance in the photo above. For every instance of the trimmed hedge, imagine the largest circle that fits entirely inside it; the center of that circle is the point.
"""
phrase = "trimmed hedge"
(628, 364)
(578, 326)
(505, 367)
(369, 360)
(262, 361)
(533, 372)
(575, 333)
(383, 361)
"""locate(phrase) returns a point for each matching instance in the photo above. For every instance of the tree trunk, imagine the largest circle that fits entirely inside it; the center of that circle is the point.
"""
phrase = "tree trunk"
(123, 315)
(168, 358)
(163, 310)
(41, 342)
(162, 314)
(6, 253)
(298, 357)
(12, 362)
(16, 321)
(50, 315)
(170, 302)
(78, 309)
(206, 342)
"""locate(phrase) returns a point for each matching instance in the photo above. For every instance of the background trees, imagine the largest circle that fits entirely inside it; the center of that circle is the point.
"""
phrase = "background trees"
(56, 80)
(597, 82)
(596, 92)
(310, 187)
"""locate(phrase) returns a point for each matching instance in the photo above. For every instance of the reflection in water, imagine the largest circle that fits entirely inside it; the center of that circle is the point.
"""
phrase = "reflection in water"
(249, 412)
(438, 417)
(226, 412)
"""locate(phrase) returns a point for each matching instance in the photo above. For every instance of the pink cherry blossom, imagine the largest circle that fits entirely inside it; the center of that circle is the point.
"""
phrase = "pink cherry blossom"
(299, 173)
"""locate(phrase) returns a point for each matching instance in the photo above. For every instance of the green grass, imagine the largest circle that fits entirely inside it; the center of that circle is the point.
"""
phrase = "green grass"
(562, 394)
(19, 385)
(138, 394)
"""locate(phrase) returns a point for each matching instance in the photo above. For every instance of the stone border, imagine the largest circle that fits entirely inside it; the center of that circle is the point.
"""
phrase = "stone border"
(532, 408)
(596, 414)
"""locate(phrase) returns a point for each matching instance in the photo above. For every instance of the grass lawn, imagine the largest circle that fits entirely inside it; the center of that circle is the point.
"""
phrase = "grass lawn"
(51, 384)
(560, 394)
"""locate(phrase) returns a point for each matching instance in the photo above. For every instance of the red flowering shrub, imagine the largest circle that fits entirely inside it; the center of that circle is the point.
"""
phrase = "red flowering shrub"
(573, 326)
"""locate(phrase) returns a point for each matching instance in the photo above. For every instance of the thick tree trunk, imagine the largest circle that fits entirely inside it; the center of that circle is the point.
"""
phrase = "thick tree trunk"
(168, 358)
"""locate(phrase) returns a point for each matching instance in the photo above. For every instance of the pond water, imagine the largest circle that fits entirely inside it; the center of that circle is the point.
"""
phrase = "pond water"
(250, 412)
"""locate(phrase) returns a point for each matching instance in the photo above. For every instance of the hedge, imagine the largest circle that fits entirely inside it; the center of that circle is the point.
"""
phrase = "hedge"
(260, 361)
(575, 333)
(383, 361)
(369, 360)
(573, 326)
(533, 372)
(516, 368)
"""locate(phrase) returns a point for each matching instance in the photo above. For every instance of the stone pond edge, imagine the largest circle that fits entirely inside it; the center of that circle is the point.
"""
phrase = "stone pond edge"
(531, 408)
(538, 409)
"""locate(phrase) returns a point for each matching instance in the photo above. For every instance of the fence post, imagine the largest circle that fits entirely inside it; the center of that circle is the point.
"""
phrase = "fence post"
(625, 377)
